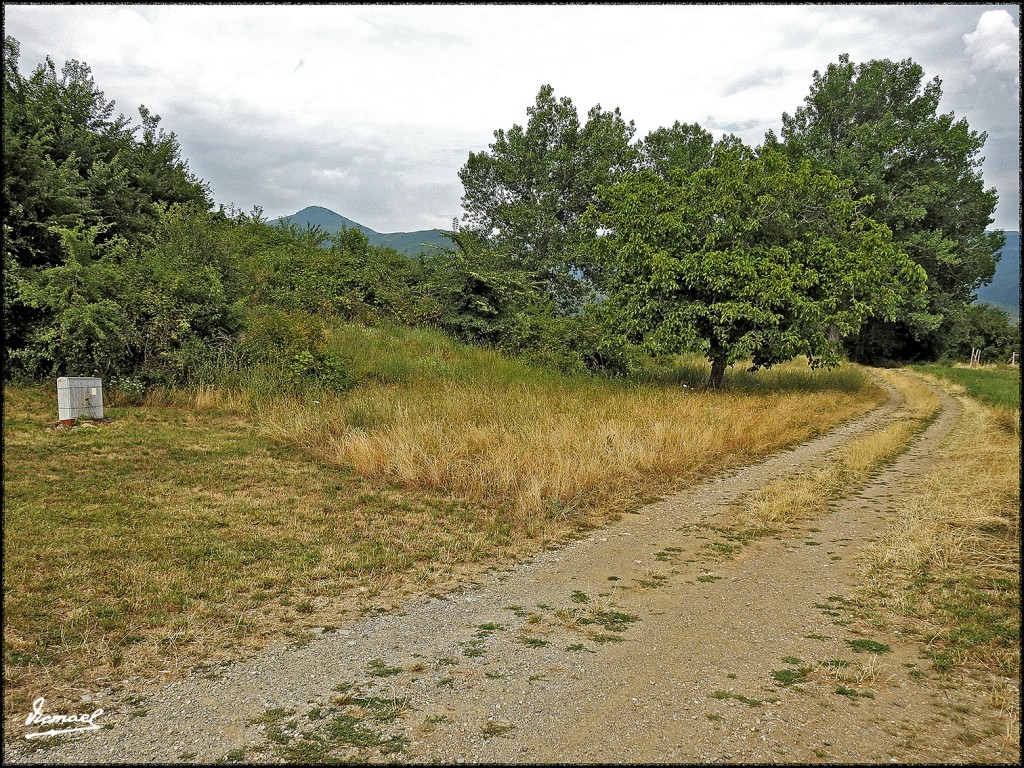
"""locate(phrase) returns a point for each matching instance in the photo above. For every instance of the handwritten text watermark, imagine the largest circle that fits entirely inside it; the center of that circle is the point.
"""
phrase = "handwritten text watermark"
(75, 723)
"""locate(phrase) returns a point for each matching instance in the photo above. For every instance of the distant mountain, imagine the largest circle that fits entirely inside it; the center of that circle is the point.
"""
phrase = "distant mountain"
(408, 243)
(1004, 290)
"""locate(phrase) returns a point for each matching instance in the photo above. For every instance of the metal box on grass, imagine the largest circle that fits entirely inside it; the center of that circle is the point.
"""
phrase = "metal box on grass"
(79, 397)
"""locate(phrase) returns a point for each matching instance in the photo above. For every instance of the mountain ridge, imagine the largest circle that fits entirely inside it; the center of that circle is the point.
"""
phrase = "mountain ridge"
(1004, 290)
(407, 243)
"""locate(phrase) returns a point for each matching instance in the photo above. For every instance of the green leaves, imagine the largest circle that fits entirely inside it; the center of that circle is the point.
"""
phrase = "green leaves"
(528, 194)
(877, 124)
(751, 256)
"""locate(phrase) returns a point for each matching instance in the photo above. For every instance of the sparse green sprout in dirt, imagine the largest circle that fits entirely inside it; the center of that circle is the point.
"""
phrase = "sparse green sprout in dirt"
(533, 642)
(835, 663)
(861, 645)
(349, 729)
(787, 677)
(472, 649)
(384, 710)
(842, 690)
(580, 597)
(654, 581)
(378, 668)
(600, 638)
(613, 621)
(737, 697)
(579, 647)
(492, 729)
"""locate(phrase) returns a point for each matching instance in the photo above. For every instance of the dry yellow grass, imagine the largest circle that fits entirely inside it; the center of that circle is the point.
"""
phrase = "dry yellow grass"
(207, 524)
(780, 504)
(552, 456)
(961, 521)
(947, 564)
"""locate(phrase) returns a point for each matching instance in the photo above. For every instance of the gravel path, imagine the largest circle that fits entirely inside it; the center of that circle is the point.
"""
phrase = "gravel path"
(656, 639)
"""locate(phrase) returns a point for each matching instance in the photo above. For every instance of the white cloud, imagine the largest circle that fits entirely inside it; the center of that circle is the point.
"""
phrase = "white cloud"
(393, 98)
(995, 42)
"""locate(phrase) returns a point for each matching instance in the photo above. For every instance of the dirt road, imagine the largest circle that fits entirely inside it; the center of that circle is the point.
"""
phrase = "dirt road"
(656, 639)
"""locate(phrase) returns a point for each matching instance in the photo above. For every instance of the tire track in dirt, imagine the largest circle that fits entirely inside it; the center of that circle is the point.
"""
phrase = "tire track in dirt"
(638, 643)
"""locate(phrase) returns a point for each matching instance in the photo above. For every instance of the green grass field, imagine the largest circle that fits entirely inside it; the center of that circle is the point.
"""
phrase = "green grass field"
(995, 386)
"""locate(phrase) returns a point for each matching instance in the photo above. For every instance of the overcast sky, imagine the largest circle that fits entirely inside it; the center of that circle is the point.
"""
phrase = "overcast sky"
(372, 110)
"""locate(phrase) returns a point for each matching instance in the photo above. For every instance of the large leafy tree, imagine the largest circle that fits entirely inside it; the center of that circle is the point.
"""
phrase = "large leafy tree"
(69, 161)
(528, 194)
(684, 146)
(751, 257)
(83, 194)
(878, 125)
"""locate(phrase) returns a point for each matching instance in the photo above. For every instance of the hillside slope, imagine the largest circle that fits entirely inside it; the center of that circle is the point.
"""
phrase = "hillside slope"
(408, 243)
(1004, 290)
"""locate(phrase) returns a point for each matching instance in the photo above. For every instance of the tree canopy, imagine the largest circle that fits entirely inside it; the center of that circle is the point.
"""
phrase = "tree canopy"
(877, 124)
(750, 257)
(528, 194)
(864, 224)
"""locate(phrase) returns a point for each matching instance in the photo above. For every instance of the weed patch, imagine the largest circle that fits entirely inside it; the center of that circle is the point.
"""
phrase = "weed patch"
(492, 729)
(738, 697)
(377, 668)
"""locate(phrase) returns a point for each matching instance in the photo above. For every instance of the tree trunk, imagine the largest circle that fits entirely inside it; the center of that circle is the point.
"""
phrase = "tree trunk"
(717, 373)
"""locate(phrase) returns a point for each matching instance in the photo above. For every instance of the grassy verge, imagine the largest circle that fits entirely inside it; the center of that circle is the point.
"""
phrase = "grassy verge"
(994, 386)
(997, 387)
(947, 566)
(778, 505)
(206, 524)
(954, 545)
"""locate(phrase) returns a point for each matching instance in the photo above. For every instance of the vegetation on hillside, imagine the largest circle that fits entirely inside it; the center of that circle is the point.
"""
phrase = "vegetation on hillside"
(115, 264)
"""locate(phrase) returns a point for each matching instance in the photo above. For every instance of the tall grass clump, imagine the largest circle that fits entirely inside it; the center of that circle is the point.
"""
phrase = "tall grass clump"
(543, 446)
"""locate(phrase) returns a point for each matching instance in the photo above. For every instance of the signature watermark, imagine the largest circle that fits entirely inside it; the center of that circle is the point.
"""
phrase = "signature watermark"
(74, 723)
